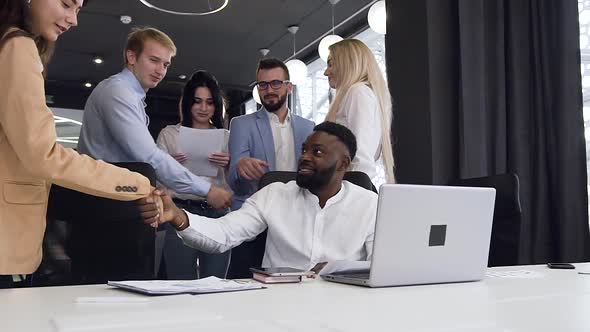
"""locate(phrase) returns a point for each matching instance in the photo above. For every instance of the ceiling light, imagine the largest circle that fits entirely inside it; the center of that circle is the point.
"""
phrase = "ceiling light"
(125, 19)
(213, 11)
(326, 42)
(88, 84)
(297, 71)
(182, 76)
(61, 119)
(264, 51)
(98, 60)
(377, 17)
(297, 68)
(255, 95)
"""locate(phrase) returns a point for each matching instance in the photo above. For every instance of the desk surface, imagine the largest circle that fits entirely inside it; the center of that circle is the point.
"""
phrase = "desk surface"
(555, 300)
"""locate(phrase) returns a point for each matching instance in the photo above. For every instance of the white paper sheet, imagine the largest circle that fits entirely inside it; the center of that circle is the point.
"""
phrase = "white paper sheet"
(197, 145)
(200, 286)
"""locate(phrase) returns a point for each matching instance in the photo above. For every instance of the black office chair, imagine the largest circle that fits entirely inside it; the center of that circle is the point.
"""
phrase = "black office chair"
(249, 254)
(506, 225)
(107, 239)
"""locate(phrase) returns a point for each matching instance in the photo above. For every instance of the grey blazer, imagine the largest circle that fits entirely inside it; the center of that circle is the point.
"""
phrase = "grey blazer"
(251, 136)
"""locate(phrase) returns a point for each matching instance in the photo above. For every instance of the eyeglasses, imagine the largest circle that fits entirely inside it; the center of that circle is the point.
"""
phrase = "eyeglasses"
(275, 84)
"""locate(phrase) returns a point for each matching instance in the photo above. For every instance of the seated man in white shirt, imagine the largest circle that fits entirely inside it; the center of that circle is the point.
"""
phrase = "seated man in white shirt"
(317, 218)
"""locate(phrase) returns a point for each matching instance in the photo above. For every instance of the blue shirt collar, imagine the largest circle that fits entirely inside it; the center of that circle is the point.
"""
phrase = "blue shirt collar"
(128, 76)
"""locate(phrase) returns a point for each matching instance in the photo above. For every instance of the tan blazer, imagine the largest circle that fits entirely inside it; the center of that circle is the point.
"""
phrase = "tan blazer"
(31, 160)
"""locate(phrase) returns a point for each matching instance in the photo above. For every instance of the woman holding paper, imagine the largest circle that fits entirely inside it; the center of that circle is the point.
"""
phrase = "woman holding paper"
(201, 107)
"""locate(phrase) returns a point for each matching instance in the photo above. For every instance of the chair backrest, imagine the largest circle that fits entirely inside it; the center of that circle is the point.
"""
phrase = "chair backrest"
(106, 239)
(359, 178)
(504, 245)
(250, 254)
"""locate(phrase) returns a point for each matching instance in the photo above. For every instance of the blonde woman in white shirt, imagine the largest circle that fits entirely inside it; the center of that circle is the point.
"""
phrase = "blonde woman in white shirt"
(363, 104)
(201, 107)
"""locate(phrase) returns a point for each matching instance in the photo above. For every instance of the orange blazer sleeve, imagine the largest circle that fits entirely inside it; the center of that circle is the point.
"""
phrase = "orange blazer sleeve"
(29, 127)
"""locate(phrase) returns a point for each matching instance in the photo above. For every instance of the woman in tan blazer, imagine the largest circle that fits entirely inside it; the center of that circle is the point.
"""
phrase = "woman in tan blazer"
(31, 160)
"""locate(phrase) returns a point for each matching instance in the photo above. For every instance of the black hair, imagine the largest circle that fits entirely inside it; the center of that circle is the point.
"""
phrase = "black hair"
(343, 134)
(271, 63)
(203, 79)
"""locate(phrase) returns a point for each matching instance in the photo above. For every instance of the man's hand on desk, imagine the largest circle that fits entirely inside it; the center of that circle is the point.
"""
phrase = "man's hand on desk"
(159, 208)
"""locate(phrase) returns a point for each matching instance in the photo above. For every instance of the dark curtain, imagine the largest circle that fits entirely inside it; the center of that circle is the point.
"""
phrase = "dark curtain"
(518, 109)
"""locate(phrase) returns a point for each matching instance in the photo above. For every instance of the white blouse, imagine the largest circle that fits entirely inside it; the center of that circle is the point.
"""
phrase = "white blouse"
(167, 142)
(359, 111)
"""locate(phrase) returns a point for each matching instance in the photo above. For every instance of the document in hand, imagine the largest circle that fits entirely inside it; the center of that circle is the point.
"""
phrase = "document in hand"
(200, 286)
(197, 145)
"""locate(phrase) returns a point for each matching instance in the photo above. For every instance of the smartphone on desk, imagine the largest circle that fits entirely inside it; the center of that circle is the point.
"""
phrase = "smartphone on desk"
(281, 271)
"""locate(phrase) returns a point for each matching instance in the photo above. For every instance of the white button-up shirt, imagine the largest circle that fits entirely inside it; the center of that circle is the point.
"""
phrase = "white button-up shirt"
(300, 233)
(359, 111)
(282, 135)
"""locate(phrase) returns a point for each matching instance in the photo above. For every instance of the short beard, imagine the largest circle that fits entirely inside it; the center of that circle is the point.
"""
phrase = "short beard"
(317, 180)
(275, 107)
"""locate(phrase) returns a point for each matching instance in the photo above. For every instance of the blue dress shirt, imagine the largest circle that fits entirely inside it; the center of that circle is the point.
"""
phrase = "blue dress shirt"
(115, 129)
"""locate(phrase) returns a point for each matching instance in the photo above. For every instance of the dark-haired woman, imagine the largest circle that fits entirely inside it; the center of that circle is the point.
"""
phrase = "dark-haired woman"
(201, 107)
(31, 160)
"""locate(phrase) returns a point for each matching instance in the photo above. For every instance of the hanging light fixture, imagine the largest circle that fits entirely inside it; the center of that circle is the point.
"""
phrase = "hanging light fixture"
(255, 95)
(377, 17)
(148, 3)
(326, 42)
(297, 68)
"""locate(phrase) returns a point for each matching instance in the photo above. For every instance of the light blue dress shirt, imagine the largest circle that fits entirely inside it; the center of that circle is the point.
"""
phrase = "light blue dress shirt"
(115, 129)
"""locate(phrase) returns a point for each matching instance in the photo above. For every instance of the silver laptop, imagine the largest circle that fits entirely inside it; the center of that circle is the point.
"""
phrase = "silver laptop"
(427, 234)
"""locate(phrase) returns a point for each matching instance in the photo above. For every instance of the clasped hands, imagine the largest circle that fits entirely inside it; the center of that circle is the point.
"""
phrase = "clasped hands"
(158, 208)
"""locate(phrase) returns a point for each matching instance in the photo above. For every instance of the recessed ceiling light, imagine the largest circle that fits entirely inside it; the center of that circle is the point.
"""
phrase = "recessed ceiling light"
(98, 60)
(88, 84)
(125, 19)
(182, 77)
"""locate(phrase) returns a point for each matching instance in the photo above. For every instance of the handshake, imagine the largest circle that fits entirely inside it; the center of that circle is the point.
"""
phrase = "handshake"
(158, 208)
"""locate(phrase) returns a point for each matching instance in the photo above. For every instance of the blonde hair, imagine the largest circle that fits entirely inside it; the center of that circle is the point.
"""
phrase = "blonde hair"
(354, 63)
(138, 37)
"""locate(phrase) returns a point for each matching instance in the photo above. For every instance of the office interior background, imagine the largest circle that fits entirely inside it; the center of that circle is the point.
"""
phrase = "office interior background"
(479, 87)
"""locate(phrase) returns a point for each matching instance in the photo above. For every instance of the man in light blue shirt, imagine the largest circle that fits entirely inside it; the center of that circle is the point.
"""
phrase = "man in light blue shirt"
(115, 123)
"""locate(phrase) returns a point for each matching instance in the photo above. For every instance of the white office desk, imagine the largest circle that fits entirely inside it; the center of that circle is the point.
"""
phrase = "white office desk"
(559, 300)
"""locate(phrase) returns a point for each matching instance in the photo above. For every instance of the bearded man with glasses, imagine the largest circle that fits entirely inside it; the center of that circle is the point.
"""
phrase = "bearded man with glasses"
(269, 139)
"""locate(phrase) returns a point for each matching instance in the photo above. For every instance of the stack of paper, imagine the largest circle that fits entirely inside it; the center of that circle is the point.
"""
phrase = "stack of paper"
(200, 286)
